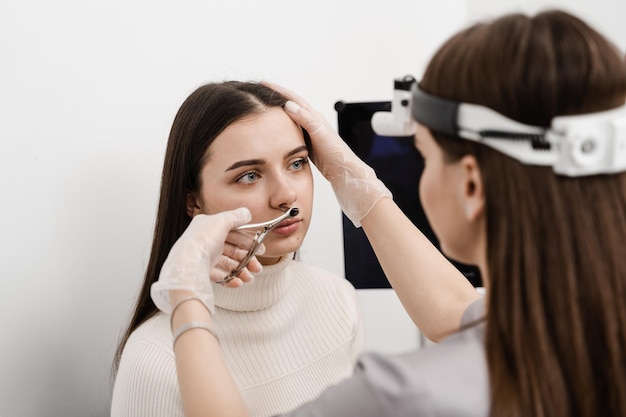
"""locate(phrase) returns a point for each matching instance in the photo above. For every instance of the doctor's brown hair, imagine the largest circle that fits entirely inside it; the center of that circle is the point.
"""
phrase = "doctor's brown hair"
(201, 118)
(556, 325)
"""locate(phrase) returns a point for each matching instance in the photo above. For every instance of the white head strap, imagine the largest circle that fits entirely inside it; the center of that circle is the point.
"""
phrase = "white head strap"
(578, 145)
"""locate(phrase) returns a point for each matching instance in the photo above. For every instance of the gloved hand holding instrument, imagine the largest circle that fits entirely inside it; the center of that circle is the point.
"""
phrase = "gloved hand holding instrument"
(208, 239)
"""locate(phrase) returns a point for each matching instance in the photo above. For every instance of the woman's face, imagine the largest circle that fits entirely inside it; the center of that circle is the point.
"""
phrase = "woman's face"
(261, 162)
(444, 199)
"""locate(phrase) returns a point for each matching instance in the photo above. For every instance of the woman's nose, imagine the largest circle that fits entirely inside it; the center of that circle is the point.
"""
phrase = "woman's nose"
(283, 194)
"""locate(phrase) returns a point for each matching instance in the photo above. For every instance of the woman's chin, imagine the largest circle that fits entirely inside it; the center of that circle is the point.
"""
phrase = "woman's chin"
(277, 250)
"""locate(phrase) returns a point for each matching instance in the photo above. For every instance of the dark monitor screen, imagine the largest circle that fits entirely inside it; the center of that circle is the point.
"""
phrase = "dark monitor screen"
(399, 166)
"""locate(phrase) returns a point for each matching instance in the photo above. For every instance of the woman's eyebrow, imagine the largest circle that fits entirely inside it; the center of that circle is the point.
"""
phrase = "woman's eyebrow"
(248, 162)
(295, 151)
(245, 163)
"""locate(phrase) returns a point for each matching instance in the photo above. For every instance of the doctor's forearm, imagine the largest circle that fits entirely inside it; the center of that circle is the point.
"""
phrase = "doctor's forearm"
(433, 292)
(206, 385)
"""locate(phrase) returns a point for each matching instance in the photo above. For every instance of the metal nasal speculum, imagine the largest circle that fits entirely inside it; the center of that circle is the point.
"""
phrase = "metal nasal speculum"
(260, 235)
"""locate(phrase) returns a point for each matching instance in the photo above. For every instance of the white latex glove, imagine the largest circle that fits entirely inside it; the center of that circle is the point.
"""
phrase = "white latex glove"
(188, 267)
(354, 182)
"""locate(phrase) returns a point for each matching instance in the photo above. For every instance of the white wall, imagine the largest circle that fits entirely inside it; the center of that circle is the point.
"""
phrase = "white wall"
(88, 91)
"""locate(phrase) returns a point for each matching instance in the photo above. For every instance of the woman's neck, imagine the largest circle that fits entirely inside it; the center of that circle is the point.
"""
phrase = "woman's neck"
(269, 261)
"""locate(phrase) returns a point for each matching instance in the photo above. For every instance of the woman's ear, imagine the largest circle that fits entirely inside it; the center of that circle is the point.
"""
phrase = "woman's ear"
(193, 206)
(473, 190)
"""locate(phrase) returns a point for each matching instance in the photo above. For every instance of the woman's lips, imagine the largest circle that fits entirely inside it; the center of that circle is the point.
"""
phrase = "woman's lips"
(287, 227)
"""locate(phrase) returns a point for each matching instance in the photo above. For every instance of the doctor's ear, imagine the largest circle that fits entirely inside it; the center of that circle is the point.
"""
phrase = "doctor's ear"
(473, 189)
(193, 207)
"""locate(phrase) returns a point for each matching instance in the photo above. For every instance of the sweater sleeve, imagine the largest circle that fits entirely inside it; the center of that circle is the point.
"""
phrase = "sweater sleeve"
(146, 384)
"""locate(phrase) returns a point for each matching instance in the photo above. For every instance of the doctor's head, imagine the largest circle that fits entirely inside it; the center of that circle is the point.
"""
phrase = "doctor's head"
(549, 246)
(232, 145)
(485, 207)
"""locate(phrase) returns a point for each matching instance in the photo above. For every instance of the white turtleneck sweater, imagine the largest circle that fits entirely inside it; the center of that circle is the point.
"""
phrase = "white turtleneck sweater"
(287, 336)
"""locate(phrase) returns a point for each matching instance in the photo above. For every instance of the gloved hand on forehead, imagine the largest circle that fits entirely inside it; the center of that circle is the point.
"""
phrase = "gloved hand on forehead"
(355, 183)
(206, 251)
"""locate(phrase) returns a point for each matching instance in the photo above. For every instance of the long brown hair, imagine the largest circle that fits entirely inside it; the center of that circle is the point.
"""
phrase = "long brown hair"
(556, 325)
(201, 118)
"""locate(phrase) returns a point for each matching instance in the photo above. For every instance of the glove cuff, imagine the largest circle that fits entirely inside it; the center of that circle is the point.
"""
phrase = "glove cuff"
(357, 195)
(161, 294)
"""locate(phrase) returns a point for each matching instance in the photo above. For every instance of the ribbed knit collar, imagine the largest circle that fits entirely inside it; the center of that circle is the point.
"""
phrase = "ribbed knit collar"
(267, 289)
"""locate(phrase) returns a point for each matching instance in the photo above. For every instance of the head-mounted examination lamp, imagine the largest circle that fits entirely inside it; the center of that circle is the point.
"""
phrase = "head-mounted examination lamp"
(579, 145)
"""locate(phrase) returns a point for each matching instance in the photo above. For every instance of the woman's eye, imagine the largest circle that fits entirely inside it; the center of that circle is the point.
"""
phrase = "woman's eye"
(248, 177)
(299, 164)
